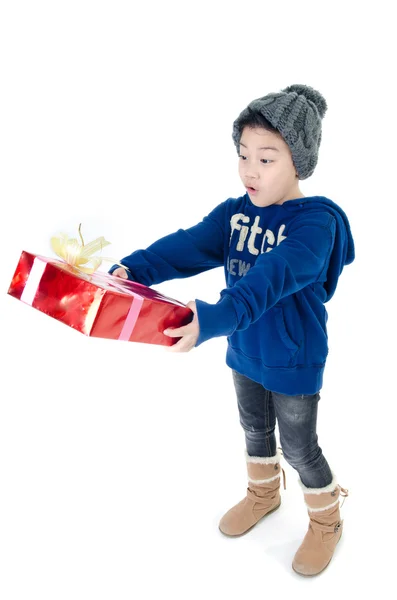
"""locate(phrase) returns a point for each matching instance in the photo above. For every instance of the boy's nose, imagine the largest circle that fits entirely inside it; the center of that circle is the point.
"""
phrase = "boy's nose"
(251, 181)
(251, 175)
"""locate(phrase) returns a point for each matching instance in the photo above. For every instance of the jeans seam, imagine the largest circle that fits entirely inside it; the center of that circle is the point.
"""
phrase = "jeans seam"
(267, 421)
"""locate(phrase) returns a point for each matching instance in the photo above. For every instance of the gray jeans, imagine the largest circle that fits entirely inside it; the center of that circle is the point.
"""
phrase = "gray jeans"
(297, 420)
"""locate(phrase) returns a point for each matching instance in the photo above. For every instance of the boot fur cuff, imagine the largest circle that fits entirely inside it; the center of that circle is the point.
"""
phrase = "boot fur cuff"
(325, 489)
(263, 460)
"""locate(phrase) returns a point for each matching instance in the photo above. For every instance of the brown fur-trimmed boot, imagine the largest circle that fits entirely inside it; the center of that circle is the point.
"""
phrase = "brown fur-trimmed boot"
(325, 528)
(263, 495)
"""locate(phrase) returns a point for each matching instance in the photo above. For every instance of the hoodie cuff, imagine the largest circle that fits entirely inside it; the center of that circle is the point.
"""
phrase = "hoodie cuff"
(215, 319)
(114, 267)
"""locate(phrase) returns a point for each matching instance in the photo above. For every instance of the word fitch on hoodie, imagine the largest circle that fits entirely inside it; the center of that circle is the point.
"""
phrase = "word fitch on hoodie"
(255, 229)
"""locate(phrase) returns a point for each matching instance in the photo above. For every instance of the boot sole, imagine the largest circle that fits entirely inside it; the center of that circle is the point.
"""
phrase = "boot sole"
(249, 529)
(322, 570)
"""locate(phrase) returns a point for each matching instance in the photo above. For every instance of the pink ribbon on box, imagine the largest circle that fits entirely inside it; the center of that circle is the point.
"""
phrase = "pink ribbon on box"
(131, 318)
(33, 281)
(135, 307)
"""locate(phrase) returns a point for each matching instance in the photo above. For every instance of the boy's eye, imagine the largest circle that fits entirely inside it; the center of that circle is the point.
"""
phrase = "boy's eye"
(266, 159)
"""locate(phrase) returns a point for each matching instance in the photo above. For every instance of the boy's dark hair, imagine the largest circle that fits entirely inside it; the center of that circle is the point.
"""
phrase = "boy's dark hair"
(252, 119)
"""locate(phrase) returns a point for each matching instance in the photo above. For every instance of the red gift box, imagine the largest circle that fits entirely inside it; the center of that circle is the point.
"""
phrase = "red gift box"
(97, 304)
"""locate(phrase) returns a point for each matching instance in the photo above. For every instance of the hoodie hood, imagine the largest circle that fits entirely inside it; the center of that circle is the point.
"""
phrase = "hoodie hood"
(343, 252)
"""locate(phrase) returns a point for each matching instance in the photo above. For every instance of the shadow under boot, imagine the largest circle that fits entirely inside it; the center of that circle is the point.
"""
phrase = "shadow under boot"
(263, 495)
(325, 528)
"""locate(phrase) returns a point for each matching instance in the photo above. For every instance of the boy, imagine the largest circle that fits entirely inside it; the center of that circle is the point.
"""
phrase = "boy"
(282, 255)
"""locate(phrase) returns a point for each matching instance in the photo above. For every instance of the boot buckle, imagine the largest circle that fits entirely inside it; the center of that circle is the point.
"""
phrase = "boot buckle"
(337, 527)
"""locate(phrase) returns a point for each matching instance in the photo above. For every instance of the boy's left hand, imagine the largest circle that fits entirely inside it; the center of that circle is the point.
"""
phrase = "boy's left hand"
(189, 333)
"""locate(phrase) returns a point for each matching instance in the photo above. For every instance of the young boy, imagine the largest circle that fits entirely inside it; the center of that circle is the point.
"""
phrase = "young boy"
(282, 255)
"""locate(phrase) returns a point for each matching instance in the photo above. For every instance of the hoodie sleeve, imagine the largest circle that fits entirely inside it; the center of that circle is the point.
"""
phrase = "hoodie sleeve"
(184, 253)
(299, 260)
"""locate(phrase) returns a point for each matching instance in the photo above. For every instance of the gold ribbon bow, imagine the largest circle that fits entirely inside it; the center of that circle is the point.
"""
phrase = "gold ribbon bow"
(77, 255)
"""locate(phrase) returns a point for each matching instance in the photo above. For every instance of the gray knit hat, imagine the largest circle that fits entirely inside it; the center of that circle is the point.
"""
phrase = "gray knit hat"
(296, 112)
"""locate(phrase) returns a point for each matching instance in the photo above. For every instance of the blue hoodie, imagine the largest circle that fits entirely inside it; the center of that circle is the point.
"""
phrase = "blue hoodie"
(282, 263)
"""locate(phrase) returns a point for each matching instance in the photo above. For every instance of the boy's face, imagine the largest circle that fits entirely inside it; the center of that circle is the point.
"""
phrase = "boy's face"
(271, 172)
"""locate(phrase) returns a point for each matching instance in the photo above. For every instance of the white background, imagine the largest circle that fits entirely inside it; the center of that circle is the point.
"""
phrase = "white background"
(119, 459)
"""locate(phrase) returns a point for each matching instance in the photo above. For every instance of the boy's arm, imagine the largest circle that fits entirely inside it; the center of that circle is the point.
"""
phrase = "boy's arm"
(184, 253)
(302, 258)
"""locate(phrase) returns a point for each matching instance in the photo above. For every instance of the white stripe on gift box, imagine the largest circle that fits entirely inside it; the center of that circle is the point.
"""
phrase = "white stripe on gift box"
(33, 281)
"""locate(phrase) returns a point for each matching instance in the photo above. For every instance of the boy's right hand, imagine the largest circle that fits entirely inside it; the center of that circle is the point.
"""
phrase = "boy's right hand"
(120, 272)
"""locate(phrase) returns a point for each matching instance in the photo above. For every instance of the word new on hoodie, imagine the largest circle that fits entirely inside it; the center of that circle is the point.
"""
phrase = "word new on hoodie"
(282, 264)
